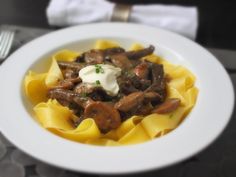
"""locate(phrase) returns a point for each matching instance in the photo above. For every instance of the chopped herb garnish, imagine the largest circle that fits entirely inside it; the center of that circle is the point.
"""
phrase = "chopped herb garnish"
(99, 69)
(98, 82)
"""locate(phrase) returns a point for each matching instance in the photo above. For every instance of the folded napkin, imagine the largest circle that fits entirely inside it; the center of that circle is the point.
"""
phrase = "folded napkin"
(183, 20)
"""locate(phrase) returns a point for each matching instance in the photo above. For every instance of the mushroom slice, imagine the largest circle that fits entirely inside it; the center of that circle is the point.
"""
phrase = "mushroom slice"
(64, 84)
(140, 53)
(168, 106)
(121, 61)
(152, 96)
(82, 101)
(96, 93)
(113, 51)
(70, 65)
(105, 116)
(69, 73)
(142, 70)
(94, 56)
(82, 88)
(67, 83)
(130, 102)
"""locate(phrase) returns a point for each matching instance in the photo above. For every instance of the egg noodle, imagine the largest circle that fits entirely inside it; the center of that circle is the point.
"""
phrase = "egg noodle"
(136, 129)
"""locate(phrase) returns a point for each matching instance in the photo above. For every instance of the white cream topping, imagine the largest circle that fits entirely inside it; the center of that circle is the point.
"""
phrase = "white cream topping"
(103, 75)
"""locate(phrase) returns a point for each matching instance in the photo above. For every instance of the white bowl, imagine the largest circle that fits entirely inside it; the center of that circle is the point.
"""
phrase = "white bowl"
(201, 127)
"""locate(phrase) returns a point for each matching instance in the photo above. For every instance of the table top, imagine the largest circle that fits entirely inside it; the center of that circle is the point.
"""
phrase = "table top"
(218, 160)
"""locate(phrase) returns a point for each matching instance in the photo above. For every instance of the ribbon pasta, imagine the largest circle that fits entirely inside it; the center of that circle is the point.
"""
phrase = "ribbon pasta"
(137, 129)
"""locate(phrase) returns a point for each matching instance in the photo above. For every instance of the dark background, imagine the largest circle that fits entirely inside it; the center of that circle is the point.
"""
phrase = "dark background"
(217, 19)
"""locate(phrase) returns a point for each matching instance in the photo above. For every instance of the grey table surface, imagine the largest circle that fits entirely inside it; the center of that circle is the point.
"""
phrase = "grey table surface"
(218, 160)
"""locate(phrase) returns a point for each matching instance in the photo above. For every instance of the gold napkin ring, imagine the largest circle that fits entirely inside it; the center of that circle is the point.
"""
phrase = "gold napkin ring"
(121, 13)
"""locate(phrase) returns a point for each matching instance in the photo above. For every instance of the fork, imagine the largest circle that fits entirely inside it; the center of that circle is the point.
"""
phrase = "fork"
(6, 40)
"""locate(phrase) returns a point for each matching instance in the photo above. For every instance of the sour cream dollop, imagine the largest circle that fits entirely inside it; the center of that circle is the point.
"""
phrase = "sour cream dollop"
(103, 75)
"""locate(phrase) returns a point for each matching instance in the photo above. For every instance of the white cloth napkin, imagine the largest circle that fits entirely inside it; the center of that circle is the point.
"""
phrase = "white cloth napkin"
(183, 20)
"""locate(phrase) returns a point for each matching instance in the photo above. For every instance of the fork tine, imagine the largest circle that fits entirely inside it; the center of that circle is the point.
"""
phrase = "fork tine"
(5, 43)
(9, 44)
(3, 33)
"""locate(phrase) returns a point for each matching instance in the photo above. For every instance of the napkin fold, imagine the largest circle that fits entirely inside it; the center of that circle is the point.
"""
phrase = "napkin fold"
(179, 19)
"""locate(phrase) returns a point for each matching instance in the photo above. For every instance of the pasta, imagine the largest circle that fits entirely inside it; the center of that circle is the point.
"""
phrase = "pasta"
(136, 129)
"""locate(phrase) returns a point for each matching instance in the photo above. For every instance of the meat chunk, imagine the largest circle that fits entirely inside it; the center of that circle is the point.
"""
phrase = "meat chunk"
(144, 109)
(168, 106)
(105, 116)
(62, 94)
(158, 81)
(140, 84)
(68, 96)
(157, 73)
(130, 102)
(96, 93)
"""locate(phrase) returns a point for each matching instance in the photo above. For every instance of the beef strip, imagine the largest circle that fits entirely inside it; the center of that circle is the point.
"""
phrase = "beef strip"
(69, 96)
(96, 93)
(125, 85)
(140, 84)
(61, 94)
(128, 82)
(158, 81)
(66, 98)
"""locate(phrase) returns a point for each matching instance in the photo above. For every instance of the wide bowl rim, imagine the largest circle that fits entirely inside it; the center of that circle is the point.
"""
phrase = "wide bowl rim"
(52, 147)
